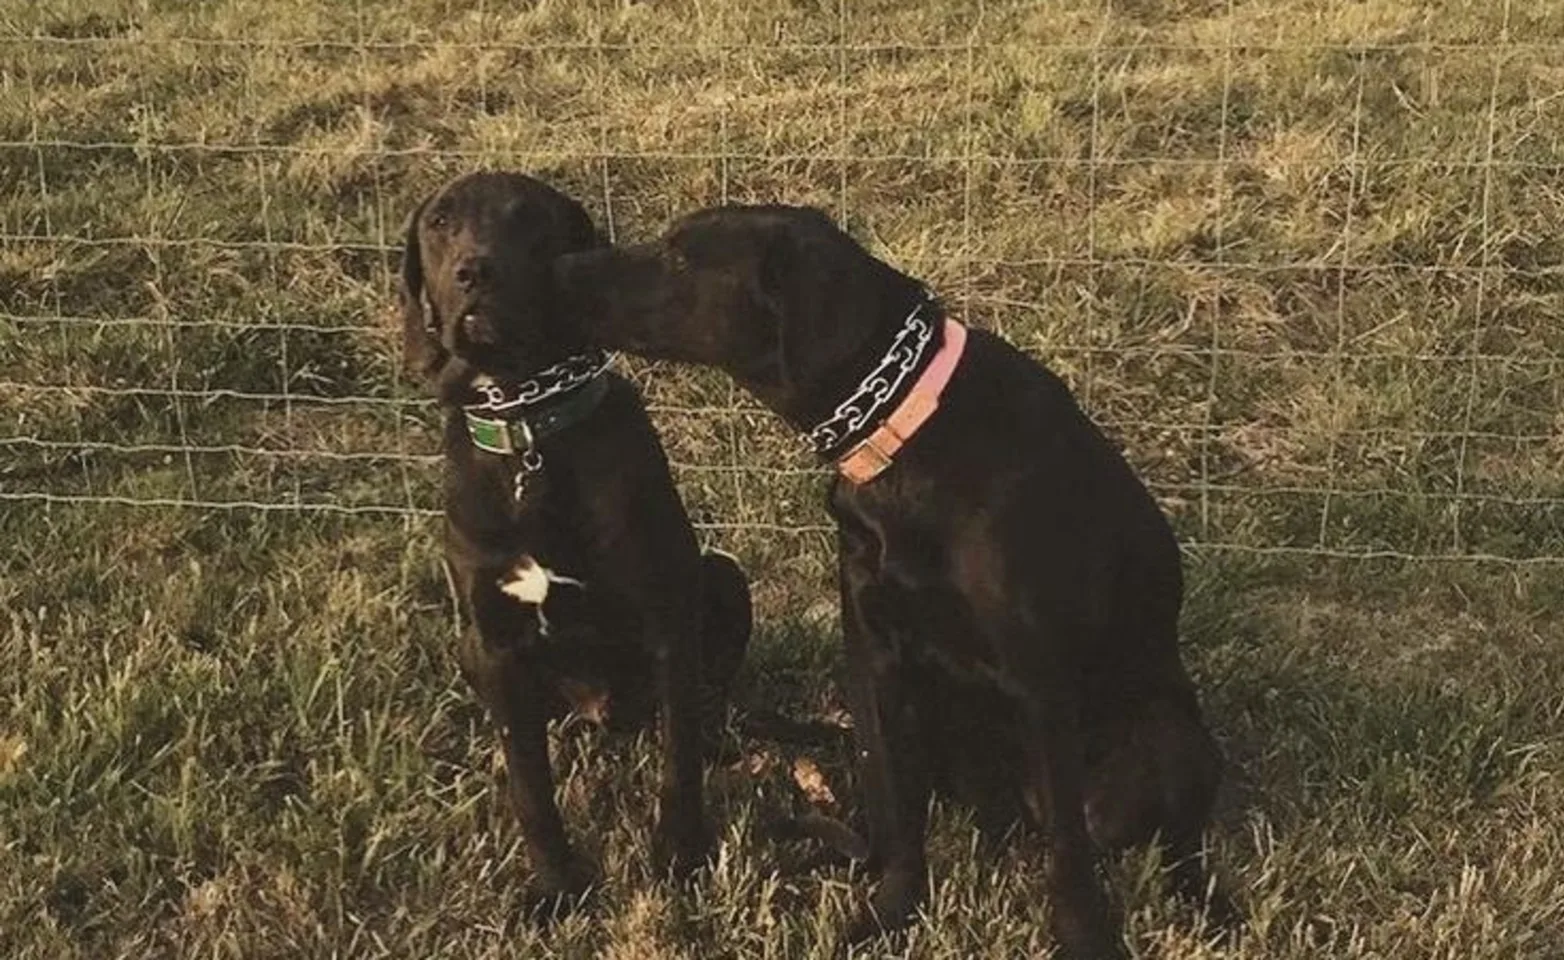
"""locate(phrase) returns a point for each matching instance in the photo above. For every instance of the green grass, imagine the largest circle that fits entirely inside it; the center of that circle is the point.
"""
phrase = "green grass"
(1303, 259)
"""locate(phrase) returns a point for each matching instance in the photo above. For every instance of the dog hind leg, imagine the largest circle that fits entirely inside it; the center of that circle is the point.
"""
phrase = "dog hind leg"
(1158, 781)
(725, 634)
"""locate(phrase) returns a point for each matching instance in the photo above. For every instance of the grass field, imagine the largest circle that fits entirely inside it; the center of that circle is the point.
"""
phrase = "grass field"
(1303, 258)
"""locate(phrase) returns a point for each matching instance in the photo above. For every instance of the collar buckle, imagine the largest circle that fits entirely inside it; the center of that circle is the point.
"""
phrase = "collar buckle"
(500, 436)
(866, 460)
(519, 432)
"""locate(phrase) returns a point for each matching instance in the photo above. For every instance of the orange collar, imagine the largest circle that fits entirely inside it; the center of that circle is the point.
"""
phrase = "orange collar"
(869, 458)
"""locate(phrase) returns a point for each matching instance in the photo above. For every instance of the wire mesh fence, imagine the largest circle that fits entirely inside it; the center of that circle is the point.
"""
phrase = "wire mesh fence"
(1310, 275)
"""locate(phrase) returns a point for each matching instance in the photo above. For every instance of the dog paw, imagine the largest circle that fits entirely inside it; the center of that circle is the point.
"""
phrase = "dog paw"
(890, 908)
(680, 844)
(1083, 926)
(1221, 916)
(835, 843)
(556, 894)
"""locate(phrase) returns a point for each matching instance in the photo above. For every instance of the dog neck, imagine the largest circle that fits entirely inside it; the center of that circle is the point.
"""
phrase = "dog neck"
(829, 351)
(871, 456)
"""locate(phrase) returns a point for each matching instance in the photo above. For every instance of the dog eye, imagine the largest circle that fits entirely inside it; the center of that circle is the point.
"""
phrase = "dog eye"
(438, 221)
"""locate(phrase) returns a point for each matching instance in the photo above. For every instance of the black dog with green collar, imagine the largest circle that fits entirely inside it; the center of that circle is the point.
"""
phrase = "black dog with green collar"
(579, 576)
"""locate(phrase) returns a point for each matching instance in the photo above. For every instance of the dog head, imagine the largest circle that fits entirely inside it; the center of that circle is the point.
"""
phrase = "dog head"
(476, 294)
(778, 297)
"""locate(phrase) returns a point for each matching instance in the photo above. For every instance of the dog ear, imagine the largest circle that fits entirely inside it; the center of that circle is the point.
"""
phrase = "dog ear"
(422, 354)
(772, 293)
(578, 229)
(799, 288)
(829, 297)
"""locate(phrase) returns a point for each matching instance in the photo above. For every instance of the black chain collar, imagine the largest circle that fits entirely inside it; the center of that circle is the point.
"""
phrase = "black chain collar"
(867, 405)
(569, 374)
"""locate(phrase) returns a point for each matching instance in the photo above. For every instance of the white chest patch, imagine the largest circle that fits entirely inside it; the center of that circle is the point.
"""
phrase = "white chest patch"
(481, 380)
(529, 581)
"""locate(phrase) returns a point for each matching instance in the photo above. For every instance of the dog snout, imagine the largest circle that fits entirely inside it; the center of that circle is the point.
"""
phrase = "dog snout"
(570, 270)
(471, 272)
(576, 283)
(598, 274)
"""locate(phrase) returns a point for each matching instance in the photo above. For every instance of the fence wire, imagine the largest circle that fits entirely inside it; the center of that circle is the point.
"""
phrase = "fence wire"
(1320, 323)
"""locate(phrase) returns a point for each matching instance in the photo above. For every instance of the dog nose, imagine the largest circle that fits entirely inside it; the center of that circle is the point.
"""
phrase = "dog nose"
(471, 272)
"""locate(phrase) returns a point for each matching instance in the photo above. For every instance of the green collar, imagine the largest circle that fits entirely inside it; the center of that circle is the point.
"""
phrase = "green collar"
(508, 431)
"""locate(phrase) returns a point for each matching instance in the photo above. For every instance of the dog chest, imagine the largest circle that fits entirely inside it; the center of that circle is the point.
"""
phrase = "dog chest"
(530, 584)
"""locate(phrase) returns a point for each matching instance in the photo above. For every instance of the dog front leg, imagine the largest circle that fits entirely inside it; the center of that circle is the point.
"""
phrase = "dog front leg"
(561, 873)
(512, 691)
(1051, 728)
(890, 763)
